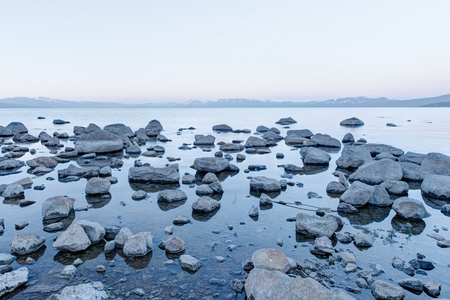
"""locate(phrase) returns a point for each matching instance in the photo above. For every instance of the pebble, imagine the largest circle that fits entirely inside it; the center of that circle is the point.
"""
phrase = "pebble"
(100, 269)
(21, 225)
(219, 259)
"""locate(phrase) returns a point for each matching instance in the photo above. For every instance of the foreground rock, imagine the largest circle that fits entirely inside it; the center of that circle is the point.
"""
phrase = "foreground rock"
(98, 142)
(190, 263)
(171, 196)
(353, 157)
(93, 230)
(138, 245)
(376, 172)
(385, 290)
(271, 259)
(94, 290)
(264, 184)
(409, 208)
(352, 122)
(57, 207)
(74, 239)
(97, 186)
(315, 156)
(358, 194)
(437, 163)
(11, 280)
(263, 284)
(205, 204)
(165, 175)
(174, 245)
(436, 186)
(26, 243)
(315, 225)
(211, 164)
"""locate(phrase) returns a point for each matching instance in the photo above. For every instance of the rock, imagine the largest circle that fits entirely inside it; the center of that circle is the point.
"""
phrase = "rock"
(93, 290)
(13, 190)
(5, 132)
(348, 138)
(346, 208)
(11, 280)
(153, 128)
(397, 188)
(350, 268)
(134, 150)
(335, 187)
(98, 142)
(346, 257)
(6, 258)
(414, 172)
(205, 204)
(411, 157)
(314, 156)
(209, 178)
(174, 245)
(222, 128)
(171, 196)
(21, 225)
(138, 245)
(264, 184)
(168, 230)
(253, 211)
(436, 186)
(54, 227)
(122, 237)
(432, 288)
(204, 190)
(211, 164)
(411, 284)
(380, 197)
(375, 149)
(230, 147)
(343, 238)
(165, 175)
(402, 265)
(293, 139)
(324, 140)
(10, 164)
(315, 225)
(255, 142)
(437, 163)
(74, 239)
(272, 136)
(139, 195)
(112, 231)
(352, 122)
(68, 272)
(237, 285)
(26, 243)
(17, 127)
(181, 220)
(96, 186)
(358, 194)
(53, 142)
(265, 200)
(385, 290)
(286, 121)
(353, 157)
(94, 230)
(201, 139)
(119, 129)
(444, 243)
(190, 263)
(364, 240)
(322, 246)
(409, 208)
(57, 207)
(188, 179)
(311, 195)
(421, 264)
(377, 172)
(109, 247)
(271, 260)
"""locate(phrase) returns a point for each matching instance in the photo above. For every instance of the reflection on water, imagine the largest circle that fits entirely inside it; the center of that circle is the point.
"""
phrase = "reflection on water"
(92, 252)
(367, 215)
(165, 206)
(408, 227)
(153, 187)
(98, 201)
(202, 216)
(21, 260)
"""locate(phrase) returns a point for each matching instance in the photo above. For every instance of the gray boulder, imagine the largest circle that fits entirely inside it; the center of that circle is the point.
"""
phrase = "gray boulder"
(190, 263)
(12, 280)
(358, 194)
(222, 128)
(412, 157)
(293, 139)
(5, 132)
(6, 258)
(397, 188)
(204, 190)
(264, 184)
(324, 140)
(97, 186)
(380, 197)
(304, 133)
(138, 245)
(201, 139)
(165, 175)
(272, 136)
(414, 172)
(86, 291)
(286, 121)
(385, 290)
(437, 163)
(352, 122)
(265, 200)
(17, 127)
(211, 164)
(411, 284)
(171, 196)
(409, 208)
(436, 186)
(13, 190)
(348, 138)
(209, 178)
(322, 246)
(364, 240)
(314, 156)
(376, 172)
(231, 147)
(98, 142)
(432, 288)
(315, 225)
(74, 239)
(10, 164)
(26, 243)
(271, 260)
(93, 230)
(122, 237)
(353, 157)
(253, 212)
(153, 128)
(205, 204)
(335, 187)
(174, 245)
(119, 129)
(254, 142)
(57, 207)
(376, 149)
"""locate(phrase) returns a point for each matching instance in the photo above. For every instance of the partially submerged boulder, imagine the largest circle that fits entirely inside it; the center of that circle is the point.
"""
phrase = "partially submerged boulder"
(352, 122)
(436, 186)
(165, 175)
(315, 225)
(26, 243)
(57, 207)
(98, 142)
(211, 164)
(264, 184)
(314, 156)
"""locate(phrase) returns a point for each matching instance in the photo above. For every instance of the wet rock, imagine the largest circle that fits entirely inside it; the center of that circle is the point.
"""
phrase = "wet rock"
(57, 207)
(201, 139)
(409, 208)
(350, 268)
(26, 243)
(98, 142)
(168, 230)
(181, 220)
(53, 142)
(343, 238)
(255, 142)
(352, 122)
(411, 284)
(364, 240)
(265, 200)
(253, 211)
(403, 266)
(5, 132)
(138, 245)
(171, 196)
(272, 136)
(412, 157)
(346, 208)
(353, 157)
(315, 225)
(436, 186)
(444, 243)
(346, 257)
(385, 290)
(17, 127)
(122, 237)
(21, 225)
(119, 129)
(68, 272)
(358, 194)
(12, 280)
(376, 149)
(237, 285)
(13, 190)
(204, 190)
(153, 128)
(94, 230)
(109, 247)
(397, 188)
(134, 150)
(217, 281)
(264, 184)
(139, 195)
(111, 231)
(348, 138)
(165, 175)
(271, 260)
(286, 121)
(314, 156)
(432, 288)
(205, 204)
(421, 264)
(437, 163)
(324, 140)
(222, 128)
(335, 187)
(294, 139)
(190, 263)
(230, 147)
(376, 172)
(414, 172)
(6, 258)
(211, 164)
(10, 164)
(93, 290)
(54, 227)
(188, 179)
(74, 239)
(322, 246)
(174, 245)
(97, 186)
(380, 197)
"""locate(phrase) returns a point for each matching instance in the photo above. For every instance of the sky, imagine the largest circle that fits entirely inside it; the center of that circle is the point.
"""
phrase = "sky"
(160, 51)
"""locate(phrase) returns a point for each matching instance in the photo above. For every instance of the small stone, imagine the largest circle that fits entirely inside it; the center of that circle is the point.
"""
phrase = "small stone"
(350, 267)
(432, 288)
(168, 230)
(100, 269)
(77, 262)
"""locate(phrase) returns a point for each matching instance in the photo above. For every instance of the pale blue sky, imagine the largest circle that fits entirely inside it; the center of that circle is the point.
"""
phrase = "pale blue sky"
(154, 51)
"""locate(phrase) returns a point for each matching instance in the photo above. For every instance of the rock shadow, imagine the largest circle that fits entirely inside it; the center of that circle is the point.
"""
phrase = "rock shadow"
(409, 227)
(92, 252)
(153, 187)
(98, 201)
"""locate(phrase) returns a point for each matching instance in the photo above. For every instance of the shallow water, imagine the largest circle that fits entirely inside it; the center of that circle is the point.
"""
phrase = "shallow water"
(419, 130)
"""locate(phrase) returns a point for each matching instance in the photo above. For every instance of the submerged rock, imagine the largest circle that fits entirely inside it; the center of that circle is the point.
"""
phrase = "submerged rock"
(93, 290)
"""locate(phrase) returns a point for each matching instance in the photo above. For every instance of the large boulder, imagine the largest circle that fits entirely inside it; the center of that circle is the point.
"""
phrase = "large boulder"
(5, 132)
(414, 172)
(211, 164)
(264, 184)
(11, 280)
(153, 128)
(436, 186)
(74, 239)
(57, 207)
(387, 291)
(205, 204)
(353, 157)
(412, 157)
(42, 161)
(165, 175)
(119, 129)
(315, 225)
(438, 163)
(171, 196)
(262, 284)
(201, 139)
(174, 245)
(293, 139)
(98, 142)
(397, 188)
(376, 149)
(358, 194)
(409, 208)
(26, 243)
(10, 164)
(376, 172)
(97, 186)
(254, 142)
(380, 197)
(352, 122)
(222, 128)
(87, 291)
(314, 156)
(13, 190)
(138, 245)
(17, 127)
(271, 260)
(324, 140)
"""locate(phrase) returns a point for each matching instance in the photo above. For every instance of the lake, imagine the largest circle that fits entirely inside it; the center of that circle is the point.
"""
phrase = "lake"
(421, 130)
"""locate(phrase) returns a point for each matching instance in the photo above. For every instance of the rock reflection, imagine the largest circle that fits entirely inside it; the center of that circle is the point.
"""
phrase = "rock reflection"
(153, 187)
(34, 255)
(304, 238)
(409, 227)
(367, 215)
(99, 162)
(98, 201)
(257, 194)
(433, 202)
(166, 206)
(66, 221)
(203, 217)
(137, 263)
(174, 256)
(222, 176)
(312, 170)
(67, 258)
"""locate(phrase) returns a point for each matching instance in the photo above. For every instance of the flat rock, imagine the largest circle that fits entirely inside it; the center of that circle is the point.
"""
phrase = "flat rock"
(6, 258)
(352, 122)
(119, 129)
(201, 139)
(412, 157)
(26, 243)
(364, 240)
(409, 208)
(376, 149)
(377, 172)
(98, 142)
(324, 140)
(97, 186)
(264, 184)
(74, 239)
(13, 190)
(432, 288)
(255, 142)
(165, 175)
(353, 157)
(411, 284)
(139, 195)
(190, 263)
(315, 225)
(335, 187)
(222, 128)
(414, 172)
(211, 164)
(11, 280)
(385, 290)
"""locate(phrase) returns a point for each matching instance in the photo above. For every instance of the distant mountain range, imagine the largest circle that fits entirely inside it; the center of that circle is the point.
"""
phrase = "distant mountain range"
(25, 102)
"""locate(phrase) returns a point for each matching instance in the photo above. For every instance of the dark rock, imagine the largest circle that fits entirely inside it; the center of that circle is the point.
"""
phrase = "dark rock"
(352, 122)
(377, 172)
(409, 208)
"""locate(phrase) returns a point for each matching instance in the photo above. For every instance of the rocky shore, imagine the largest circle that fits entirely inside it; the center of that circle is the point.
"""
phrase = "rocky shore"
(372, 181)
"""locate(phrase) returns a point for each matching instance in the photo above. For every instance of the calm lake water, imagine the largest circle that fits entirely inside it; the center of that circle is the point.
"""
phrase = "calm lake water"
(420, 130)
